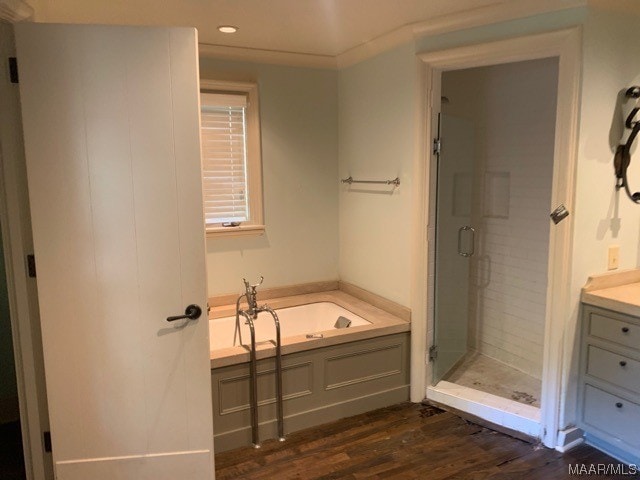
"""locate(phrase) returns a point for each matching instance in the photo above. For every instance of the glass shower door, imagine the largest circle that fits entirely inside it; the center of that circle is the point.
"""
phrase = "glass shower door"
(454, 242)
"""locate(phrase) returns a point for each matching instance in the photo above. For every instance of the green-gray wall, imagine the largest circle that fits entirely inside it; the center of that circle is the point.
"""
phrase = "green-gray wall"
(376, 131)
(298, 112)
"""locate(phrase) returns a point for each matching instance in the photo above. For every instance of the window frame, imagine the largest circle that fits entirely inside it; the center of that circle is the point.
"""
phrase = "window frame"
(255, 226)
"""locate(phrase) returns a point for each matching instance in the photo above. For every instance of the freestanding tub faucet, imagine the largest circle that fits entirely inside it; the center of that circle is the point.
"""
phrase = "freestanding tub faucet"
(250, 294)
(250, 315)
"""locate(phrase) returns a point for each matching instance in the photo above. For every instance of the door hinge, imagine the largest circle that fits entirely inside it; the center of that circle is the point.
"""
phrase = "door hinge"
(13, 69)
(437, 146)
(31, 266)
(47, 442)
(433, 353)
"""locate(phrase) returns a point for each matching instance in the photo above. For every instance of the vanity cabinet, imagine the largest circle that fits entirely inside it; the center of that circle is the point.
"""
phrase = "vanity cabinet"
(609, 387)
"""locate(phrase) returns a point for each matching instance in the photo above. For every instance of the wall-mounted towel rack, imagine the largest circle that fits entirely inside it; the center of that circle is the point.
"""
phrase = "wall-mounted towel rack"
(395, 182)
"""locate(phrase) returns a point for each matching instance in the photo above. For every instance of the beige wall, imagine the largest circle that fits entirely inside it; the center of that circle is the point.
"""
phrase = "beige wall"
(298, 111)
(376, 131)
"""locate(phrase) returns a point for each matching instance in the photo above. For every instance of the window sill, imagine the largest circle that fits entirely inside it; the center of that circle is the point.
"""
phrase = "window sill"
(239, 231)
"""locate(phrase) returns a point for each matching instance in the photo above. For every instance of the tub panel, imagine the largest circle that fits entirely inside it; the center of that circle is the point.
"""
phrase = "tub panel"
(233, 392)
(363, 366)
(320, 385)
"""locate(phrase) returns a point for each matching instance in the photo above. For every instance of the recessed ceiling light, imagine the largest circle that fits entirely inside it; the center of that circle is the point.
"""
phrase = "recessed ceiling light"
(228, 29)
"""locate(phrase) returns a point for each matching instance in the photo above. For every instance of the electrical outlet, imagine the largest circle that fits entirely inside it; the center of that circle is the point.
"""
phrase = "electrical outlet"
(613, 257)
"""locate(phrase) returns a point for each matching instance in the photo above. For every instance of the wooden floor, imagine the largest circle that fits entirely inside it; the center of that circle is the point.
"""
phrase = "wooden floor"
(406, 441)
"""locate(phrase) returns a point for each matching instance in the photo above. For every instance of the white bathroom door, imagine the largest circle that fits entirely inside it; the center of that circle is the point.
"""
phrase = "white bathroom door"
(111, 127)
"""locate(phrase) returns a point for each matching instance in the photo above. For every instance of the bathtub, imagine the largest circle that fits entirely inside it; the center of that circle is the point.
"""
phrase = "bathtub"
(336, 373)
(314, 318)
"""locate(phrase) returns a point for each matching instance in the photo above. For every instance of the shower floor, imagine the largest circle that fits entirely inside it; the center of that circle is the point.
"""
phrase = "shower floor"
(482, 373)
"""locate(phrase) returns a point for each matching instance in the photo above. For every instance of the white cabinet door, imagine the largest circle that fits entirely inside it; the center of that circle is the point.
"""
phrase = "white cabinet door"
(111, 127)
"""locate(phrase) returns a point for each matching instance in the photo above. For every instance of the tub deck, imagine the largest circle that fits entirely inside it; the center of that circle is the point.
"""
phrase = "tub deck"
(382, 323)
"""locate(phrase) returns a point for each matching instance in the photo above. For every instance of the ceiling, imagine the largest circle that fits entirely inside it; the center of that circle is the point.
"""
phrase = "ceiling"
(313, 27)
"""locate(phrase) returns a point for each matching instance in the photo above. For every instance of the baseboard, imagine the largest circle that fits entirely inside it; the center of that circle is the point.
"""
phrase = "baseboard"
(311, 418)
(569, 438)
(9, 410)
(612, 450)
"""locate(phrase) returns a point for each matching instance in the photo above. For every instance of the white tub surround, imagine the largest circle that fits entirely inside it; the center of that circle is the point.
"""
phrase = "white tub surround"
(368, 322)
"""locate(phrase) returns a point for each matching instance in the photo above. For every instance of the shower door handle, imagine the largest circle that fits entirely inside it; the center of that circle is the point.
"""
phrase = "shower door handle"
(466, 228)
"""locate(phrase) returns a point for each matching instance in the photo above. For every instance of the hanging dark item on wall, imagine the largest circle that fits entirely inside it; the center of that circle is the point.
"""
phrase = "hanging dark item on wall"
(622, 158)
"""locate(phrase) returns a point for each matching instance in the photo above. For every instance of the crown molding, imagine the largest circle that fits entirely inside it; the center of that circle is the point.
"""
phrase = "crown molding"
(14, 11)
(267, 56)
(378, 45)
(477, 17)
(497, 13)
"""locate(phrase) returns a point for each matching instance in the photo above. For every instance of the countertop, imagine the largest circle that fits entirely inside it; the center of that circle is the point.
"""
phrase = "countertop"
(619, 291)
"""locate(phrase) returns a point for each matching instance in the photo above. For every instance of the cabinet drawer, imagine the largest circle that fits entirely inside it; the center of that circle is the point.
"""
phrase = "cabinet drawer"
(613, 415)
(613, 368)
(614, 330)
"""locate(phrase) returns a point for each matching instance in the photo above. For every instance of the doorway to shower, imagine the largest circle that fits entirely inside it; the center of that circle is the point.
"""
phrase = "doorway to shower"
(490, 205)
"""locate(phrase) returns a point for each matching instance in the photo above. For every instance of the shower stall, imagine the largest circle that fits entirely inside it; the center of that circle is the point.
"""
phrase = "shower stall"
(489, 218)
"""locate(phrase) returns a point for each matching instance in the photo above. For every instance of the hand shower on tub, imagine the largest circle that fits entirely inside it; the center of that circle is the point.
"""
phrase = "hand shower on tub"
(251, 315)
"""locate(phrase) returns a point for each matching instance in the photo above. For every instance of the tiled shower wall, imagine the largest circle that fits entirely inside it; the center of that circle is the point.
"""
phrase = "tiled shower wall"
(512, 107)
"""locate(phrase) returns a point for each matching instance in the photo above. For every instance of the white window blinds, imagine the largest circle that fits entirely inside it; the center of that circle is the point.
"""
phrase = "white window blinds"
(224, 157)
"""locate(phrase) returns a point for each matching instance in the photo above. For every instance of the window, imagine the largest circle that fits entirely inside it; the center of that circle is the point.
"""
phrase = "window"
(231, 160)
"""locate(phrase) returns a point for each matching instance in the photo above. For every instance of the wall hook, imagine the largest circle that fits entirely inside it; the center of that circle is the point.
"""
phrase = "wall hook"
(622, 157)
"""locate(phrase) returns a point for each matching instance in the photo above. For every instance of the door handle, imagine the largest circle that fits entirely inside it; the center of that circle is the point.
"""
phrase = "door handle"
(192, 312)
(466, 228)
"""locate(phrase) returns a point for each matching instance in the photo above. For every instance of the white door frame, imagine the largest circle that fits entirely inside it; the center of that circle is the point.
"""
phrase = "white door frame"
(566, 46)
(23, 301)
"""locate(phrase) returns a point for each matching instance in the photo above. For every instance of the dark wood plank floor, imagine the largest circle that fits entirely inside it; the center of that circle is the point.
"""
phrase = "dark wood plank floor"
(406, 441)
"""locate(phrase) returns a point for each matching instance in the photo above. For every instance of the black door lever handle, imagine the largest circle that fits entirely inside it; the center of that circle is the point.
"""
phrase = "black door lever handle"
(192, 312)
